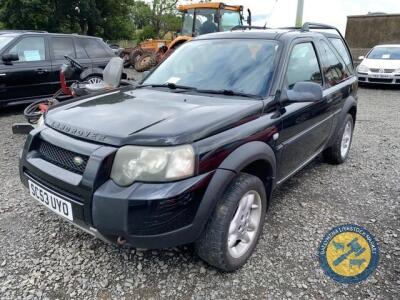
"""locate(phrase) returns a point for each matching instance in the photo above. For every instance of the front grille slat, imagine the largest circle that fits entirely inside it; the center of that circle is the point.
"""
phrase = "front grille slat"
(71, 161)
(385, 70)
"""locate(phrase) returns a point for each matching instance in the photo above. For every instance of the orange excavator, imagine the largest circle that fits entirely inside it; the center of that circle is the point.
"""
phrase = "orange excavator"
(197, 19)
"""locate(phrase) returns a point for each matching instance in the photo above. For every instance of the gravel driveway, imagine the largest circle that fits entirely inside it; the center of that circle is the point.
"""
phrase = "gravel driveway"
(44, 257)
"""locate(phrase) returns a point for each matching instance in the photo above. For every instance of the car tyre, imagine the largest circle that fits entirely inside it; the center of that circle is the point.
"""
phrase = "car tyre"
(339, 151)
(234, 228)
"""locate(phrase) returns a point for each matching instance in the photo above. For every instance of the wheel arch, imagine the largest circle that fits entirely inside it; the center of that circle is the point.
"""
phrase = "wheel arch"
(251, 158)
(254, 158)
(91, 72)
(349, 107)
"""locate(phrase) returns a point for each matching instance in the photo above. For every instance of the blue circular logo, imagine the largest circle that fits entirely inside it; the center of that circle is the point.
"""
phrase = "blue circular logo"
(348, 253)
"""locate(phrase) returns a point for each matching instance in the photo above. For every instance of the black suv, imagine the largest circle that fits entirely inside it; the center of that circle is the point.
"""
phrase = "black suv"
(40, 55)
(193, 154)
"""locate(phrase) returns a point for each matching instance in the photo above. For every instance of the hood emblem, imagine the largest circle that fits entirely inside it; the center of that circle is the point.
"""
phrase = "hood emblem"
(78, 161)
(382, 71)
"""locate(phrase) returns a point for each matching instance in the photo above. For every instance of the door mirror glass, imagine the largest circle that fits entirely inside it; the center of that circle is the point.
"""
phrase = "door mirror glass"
(9, 57)
(305, 92)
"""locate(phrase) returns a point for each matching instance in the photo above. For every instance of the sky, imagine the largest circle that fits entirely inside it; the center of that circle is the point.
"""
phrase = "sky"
(279, 13)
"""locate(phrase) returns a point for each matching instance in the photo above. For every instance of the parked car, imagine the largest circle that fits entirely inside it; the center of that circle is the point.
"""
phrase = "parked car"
(381, 65)
(193, 154)
(30, 62)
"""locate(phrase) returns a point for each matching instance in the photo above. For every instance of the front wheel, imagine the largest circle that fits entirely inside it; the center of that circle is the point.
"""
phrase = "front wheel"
(339, 151)
(233, 231)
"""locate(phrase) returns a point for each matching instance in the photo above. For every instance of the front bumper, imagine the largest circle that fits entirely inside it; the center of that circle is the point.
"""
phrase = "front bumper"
(379, 78)
(145, 215)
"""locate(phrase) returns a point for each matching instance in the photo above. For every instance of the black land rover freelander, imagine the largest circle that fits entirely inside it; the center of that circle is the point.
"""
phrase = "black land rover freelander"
(193, 154)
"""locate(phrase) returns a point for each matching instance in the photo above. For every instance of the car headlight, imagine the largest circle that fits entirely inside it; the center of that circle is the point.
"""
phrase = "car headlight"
(152, 164)
(397, 71)
(40, 122)
(363, 69)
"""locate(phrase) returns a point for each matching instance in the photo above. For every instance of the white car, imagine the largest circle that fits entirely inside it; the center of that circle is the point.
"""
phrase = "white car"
(381, 65)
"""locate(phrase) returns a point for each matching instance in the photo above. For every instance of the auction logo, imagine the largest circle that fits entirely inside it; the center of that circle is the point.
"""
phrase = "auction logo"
(348, 253)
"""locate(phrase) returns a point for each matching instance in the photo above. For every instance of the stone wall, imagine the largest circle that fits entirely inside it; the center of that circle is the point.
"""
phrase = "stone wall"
(365, 32)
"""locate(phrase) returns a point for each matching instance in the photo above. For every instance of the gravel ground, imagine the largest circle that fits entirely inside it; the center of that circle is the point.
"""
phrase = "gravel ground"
(42, 256)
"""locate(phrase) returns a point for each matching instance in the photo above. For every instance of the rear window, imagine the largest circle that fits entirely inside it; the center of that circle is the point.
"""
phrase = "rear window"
(62, 46)
(94, 48)
(342, 50)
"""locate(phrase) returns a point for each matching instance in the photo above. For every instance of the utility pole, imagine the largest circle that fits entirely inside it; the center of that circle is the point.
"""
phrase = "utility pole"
(299, 14)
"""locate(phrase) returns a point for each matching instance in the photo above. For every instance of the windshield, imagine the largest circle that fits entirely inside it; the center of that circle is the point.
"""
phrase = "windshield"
(242, 66)
(4, 40)
(389, 53)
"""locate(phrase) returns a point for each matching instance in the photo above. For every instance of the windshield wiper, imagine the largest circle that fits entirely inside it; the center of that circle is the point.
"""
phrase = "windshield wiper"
(171, 86)
(229, 93)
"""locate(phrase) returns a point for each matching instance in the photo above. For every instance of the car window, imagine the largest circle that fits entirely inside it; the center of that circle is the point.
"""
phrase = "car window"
(334, 70)
(61, 46)
(342, 50)
(4, 40)
(30, 49)
(80, 51)
(94, 48)
(303, 65)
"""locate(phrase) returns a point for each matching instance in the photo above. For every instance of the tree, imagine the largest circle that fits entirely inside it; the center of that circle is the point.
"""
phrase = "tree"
(110, 19)
(164, 16)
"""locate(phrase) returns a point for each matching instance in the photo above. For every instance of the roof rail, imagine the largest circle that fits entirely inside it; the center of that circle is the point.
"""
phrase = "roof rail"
(22, 31)
(244, 27)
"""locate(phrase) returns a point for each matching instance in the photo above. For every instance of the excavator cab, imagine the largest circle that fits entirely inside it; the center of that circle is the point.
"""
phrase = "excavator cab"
(203, 18)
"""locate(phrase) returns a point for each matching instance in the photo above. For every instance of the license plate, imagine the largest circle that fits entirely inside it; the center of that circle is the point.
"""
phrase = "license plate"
(380, 76)
(51, 201)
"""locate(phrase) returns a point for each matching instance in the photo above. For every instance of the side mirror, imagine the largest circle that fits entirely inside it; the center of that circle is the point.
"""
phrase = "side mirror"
(361, 57)
(249, 17)
(305, 92)
(9, 57)
(216, 18)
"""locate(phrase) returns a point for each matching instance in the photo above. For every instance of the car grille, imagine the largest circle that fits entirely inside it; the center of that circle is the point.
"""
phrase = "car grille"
(385, 70)
(380, 80)
(63, 158)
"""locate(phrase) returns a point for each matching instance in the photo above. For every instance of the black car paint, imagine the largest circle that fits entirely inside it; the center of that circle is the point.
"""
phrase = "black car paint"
(272, 138)
(22, 82)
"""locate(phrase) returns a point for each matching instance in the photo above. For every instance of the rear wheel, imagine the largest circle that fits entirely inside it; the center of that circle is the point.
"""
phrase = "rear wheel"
(339, 151)
(233, 231)
(146, 61)
(94, 79)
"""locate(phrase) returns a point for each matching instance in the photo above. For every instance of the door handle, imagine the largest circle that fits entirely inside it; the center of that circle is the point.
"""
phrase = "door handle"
(2, 74)
(41, 71)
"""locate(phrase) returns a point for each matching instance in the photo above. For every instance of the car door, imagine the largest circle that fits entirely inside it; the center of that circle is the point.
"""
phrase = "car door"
(97, 51)
(29, 77)
(60, 46)
(306, 126)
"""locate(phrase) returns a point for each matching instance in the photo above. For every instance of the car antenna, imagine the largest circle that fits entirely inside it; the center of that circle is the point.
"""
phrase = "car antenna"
(272, 11)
